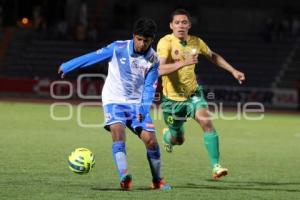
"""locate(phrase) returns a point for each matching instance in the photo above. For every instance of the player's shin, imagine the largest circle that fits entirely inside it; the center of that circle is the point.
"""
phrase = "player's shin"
(120, 158)
(211, 141)
(153, 157)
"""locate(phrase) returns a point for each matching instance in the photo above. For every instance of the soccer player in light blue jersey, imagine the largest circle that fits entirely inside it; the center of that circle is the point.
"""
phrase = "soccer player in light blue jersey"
(127, 96)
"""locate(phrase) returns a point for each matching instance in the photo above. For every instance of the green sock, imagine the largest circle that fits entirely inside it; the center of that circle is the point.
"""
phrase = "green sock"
(211, 141)
(167, 137)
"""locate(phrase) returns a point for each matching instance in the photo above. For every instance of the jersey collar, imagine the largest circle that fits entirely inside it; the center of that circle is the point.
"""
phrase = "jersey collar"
(184, 43)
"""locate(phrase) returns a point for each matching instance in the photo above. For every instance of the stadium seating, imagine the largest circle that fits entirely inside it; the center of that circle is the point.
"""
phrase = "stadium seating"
(29, 56)
(260, 61)
(289, 75)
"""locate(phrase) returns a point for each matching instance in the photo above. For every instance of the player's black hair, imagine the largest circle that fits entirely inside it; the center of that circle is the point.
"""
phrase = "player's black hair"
(180, 12)
(145, 27)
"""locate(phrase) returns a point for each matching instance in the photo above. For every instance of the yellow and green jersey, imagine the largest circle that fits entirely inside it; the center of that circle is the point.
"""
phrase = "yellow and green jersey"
(179, 85)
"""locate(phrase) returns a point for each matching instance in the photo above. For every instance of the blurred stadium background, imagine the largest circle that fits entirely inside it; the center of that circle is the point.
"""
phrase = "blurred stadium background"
(261, 38)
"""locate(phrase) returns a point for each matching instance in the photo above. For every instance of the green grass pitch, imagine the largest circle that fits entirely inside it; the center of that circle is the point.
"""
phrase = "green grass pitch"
(262, 156)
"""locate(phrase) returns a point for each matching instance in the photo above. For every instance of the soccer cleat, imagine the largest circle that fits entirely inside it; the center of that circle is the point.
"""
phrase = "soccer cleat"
(160, 185)
(126, 182)
(219, 171)
(168, 147)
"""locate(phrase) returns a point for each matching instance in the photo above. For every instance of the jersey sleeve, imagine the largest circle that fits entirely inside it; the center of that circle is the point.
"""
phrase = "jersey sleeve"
(88, 59)
(163, 48)
(149, 89)
(203, 48)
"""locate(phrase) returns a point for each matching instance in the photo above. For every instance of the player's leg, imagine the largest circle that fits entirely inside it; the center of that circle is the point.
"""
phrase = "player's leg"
(115, 123)
(173, 135)
(211, 140)
(199, 110)
(119, 154)
(153, 157)
(174, 116)
(146, 132)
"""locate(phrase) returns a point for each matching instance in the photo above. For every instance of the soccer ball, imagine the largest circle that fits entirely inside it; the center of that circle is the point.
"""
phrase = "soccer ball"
(81, 161)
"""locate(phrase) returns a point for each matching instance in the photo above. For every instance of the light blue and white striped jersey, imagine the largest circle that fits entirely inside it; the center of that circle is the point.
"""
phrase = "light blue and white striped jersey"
(132, 78)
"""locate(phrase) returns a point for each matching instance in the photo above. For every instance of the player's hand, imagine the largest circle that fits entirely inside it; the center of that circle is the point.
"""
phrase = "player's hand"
(240, 76)
(62, 75)
(140, 117)
(193, 59)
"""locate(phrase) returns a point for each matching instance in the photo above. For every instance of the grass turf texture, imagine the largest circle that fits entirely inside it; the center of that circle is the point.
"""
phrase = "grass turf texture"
(262, 156)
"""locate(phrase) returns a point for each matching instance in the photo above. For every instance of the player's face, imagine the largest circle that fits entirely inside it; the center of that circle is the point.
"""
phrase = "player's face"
(180, 26)
(141, 43)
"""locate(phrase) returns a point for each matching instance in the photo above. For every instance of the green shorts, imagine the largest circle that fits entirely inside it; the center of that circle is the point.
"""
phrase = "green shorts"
(176, 112)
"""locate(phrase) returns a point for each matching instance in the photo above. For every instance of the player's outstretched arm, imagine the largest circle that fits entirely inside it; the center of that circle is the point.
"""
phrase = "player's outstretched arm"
(165, 68)
(86, 60)
(221, 62)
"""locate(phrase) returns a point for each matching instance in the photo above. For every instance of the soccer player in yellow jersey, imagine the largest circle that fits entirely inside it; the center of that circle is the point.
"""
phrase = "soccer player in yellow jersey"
(182, 96)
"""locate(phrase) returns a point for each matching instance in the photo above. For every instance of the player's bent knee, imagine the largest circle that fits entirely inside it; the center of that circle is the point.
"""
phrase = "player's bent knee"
(149, 140)
(180, 141)
(206, 125)
(152, 144)
(118, 134)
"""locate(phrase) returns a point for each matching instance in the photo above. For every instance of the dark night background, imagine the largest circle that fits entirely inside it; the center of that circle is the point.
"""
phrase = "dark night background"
(260, 38)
